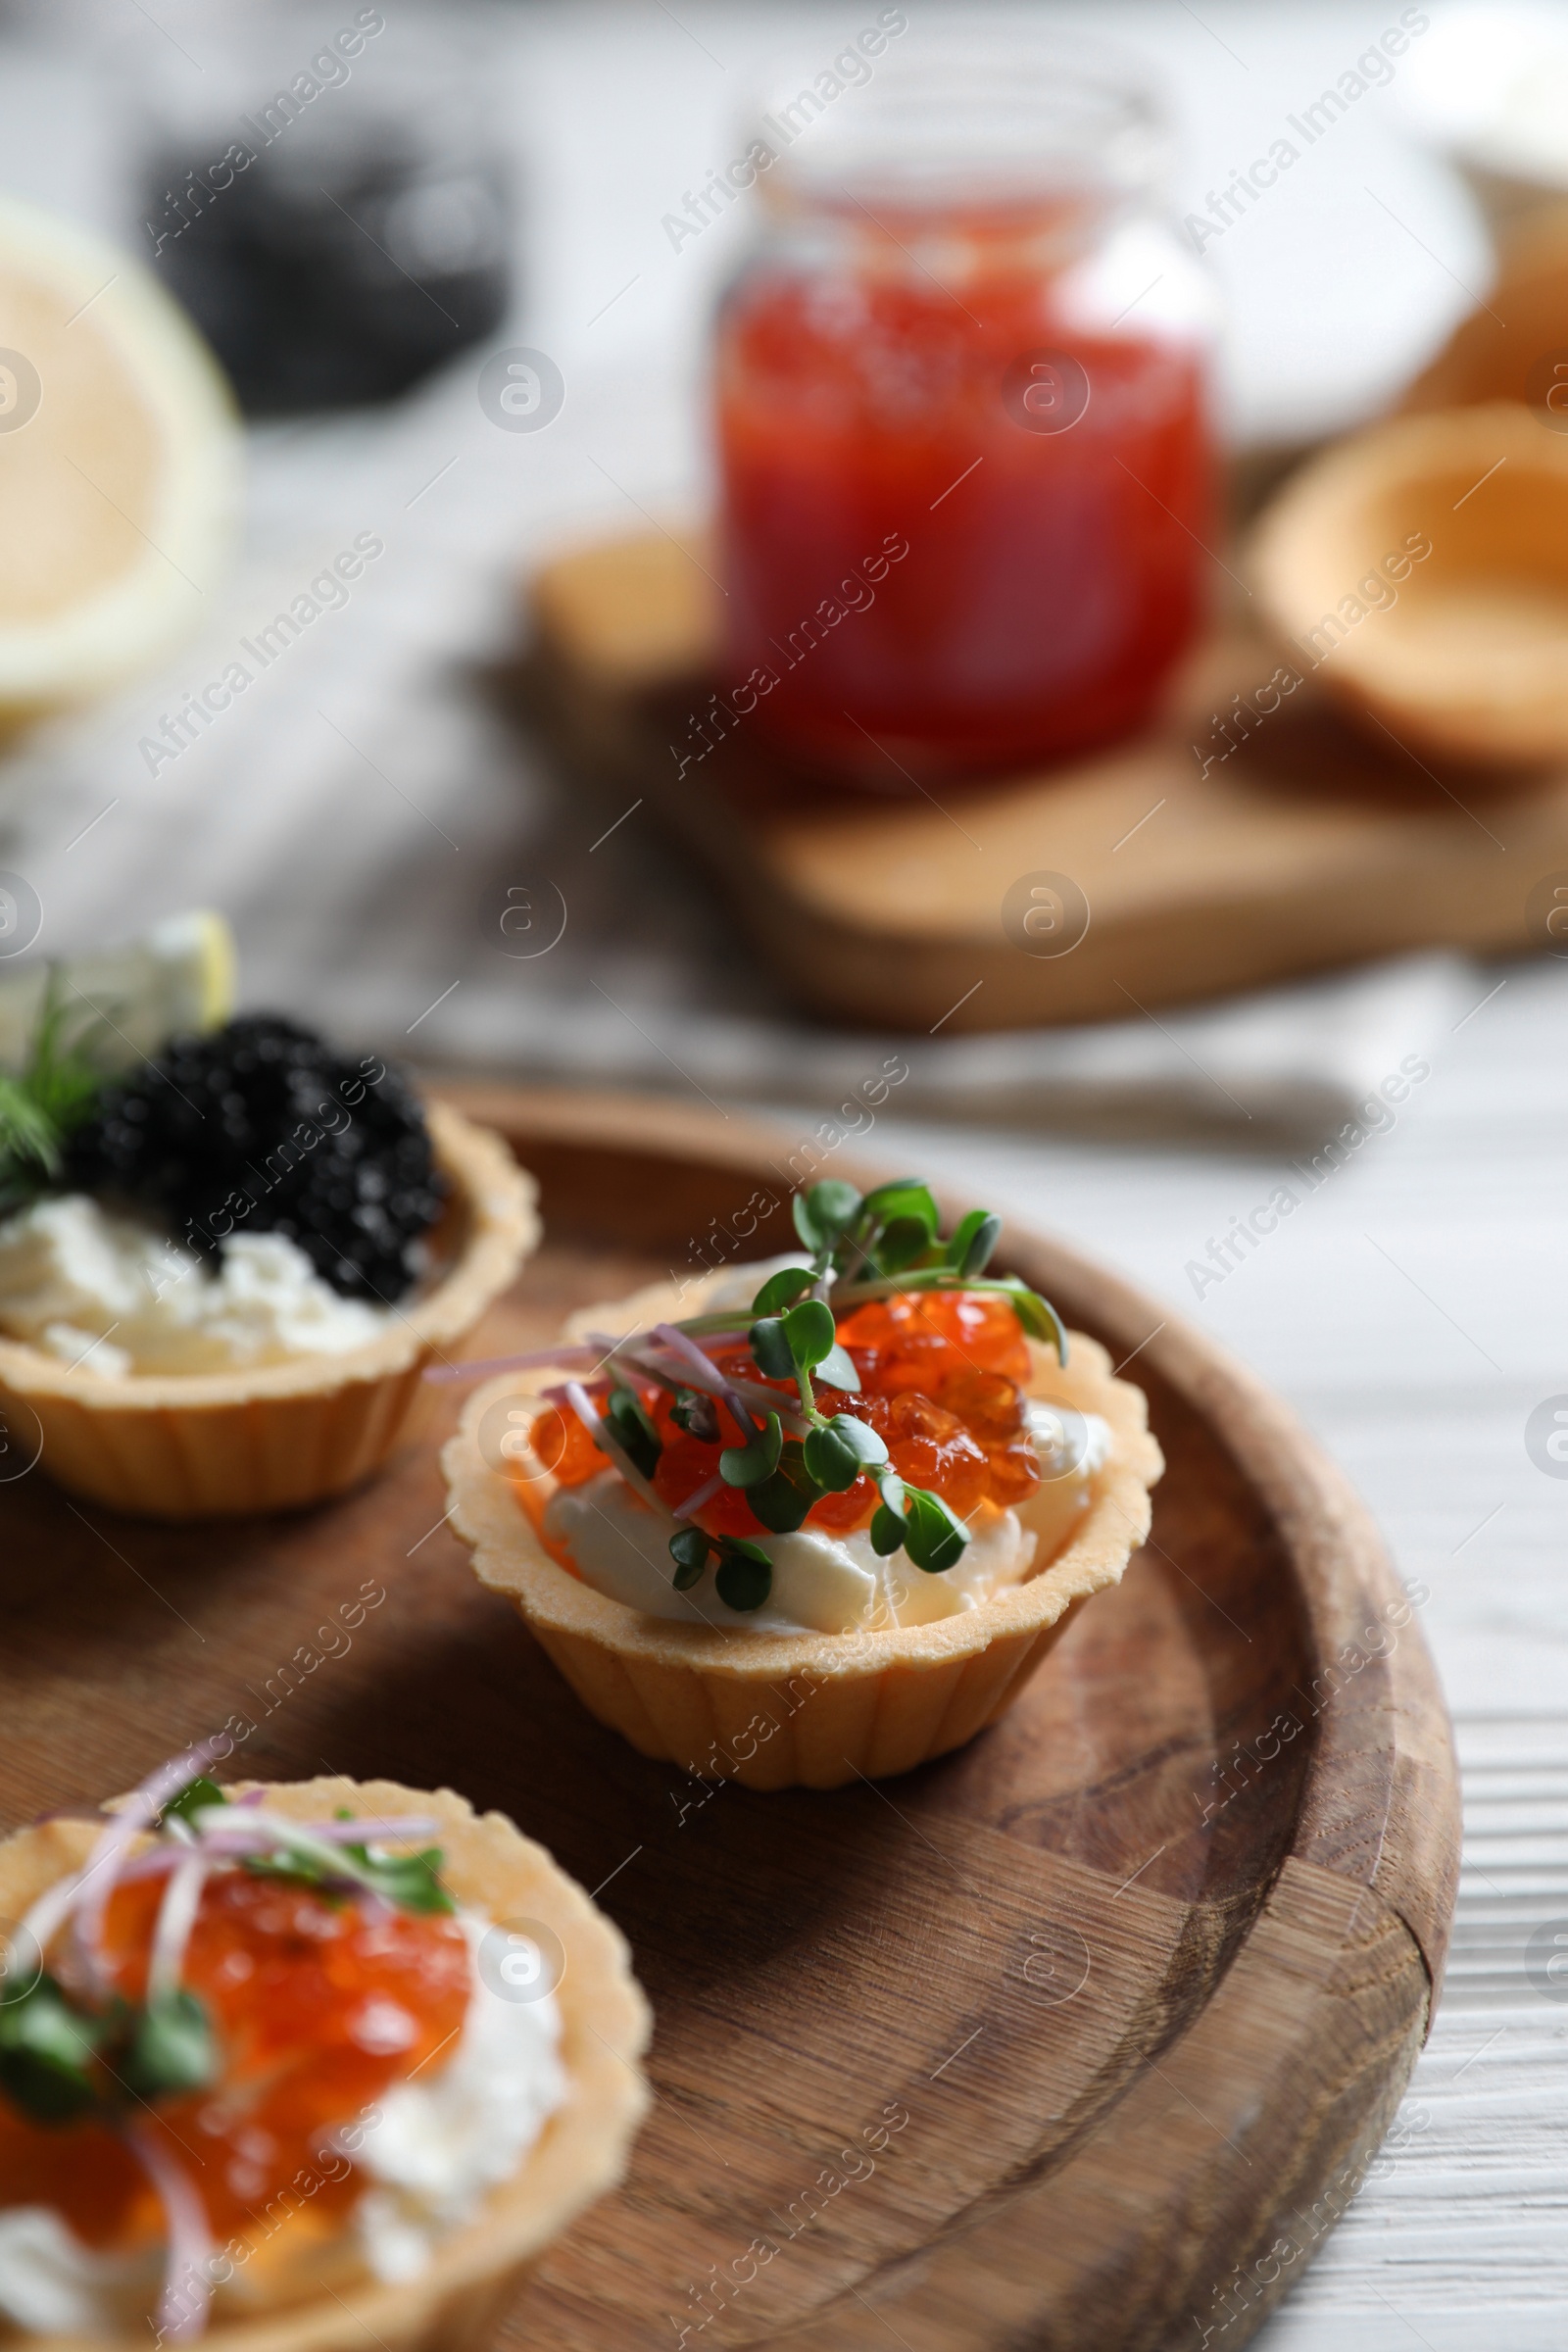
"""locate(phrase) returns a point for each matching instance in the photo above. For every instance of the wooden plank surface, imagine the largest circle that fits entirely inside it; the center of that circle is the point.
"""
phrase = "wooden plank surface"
(1048, 2035)
(1211, 853)
(1412, 1310)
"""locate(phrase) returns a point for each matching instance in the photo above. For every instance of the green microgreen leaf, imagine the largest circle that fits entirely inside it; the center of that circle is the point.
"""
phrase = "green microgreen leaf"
(809, 1333)
(410, 1880)
(782, 1501)
(689, 1549)
(878, 1246)
(833, 1464)
(824, 1212)
(46, 2048)
(932, 1537)
(744, 1577)
(899, 1245)
(195, 1794)
(900, 1220)
(696, 1414)
(171, 2051)
(903, 1196)
(860, 1438)
(633, 1430)
(972, 1242)
(782, 1289)
(1038, 1316)
(836, 1452)
(887, 1532)
(744, 1574)
(771, 1348)
(837, 1371)
(920, 1523)
(749, 1465)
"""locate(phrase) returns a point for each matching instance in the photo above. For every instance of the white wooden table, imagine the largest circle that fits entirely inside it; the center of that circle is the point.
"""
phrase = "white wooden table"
(354, 816)
(1413, 1311)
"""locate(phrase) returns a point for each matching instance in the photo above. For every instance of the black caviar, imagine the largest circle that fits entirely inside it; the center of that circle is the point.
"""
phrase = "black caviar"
(259, 1127)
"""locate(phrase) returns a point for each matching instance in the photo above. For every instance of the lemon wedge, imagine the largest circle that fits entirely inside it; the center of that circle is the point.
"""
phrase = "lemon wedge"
(119, 469)
(128, 1000)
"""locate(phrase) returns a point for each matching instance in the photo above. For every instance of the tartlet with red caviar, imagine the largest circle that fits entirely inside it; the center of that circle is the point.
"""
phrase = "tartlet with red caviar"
(276, 2069)
(826, 1526)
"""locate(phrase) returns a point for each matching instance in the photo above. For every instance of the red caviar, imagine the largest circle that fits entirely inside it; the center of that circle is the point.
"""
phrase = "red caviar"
(916, 1335)
(319, 2005)
(920, 572)
(561, 1444)
(941, 1375)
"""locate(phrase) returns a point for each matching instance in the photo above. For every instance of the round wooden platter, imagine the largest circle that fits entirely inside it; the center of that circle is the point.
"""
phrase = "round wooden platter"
(1081, 2038)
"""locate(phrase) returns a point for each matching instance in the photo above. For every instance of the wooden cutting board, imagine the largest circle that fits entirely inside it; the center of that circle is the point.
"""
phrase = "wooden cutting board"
(1202, 868)
(1083, 2036)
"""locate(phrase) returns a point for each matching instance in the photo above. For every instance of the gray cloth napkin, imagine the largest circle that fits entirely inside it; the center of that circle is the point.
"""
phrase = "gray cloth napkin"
(403, 867)
(1292, 1062)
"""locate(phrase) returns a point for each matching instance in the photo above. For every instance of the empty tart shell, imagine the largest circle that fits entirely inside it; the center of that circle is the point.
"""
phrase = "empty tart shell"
(786, 1710)
(311, 2294)
(1511, 347)
(1420, 573)
(192, 1446)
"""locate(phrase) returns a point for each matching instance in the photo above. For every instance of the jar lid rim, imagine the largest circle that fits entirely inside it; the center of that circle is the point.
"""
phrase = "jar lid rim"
(963, 118)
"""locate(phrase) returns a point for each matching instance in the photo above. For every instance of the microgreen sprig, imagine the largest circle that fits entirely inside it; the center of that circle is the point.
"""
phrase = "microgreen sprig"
(744, 1577)
(863, 1247)
(61, 2062)
(408, 1882)
(65, 2056)
(630, 1425)
(46, 2047)
(790, 1454)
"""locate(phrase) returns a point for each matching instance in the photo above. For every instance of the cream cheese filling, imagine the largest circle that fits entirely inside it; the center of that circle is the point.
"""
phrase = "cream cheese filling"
(823, 1584)
(116, 1296)
(52, 2284)
(827, 1584)
(437, 2148)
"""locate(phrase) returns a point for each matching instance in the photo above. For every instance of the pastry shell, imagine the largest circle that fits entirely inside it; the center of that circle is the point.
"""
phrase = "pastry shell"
(456, 2302)
(188, 1445)
(801, 1710)
(1461, 651)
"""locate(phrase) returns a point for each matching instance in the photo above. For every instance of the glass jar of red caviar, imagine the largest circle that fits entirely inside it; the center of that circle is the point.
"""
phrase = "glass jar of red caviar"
(962, 415)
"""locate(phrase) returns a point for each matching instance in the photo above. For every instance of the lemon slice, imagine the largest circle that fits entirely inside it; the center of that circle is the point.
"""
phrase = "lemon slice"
(119, 464)
(127, 1001)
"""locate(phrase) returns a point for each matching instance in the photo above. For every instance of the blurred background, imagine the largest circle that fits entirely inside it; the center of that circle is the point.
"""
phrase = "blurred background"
(530, 158)
(463, 291)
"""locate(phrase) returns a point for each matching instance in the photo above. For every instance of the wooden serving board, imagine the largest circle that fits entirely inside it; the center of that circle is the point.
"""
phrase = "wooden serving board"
(1312, 844)
(1082, 2036)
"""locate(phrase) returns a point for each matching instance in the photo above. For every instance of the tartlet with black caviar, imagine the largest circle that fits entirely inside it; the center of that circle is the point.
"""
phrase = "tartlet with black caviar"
(225, 1266)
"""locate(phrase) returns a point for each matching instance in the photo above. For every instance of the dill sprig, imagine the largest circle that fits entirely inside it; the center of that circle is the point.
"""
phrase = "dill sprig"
(45, 1101)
